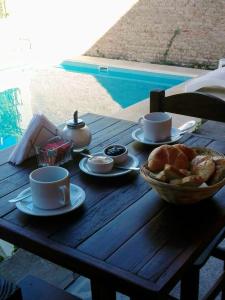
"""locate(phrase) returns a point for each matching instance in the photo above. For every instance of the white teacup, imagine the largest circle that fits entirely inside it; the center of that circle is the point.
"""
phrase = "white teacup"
(156, 126)
(50, 187)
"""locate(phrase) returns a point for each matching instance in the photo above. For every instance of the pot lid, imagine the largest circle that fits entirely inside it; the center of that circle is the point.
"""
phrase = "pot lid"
(75, 123)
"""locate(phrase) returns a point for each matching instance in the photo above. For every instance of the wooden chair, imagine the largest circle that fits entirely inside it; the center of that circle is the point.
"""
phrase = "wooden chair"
(32, 288)
(211, 108)
(190, 104)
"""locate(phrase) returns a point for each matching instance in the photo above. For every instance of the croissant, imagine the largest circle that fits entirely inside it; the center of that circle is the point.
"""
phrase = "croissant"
(167, 154)
(189, 152)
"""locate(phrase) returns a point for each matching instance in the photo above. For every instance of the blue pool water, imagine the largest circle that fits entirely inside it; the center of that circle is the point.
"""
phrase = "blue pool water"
(126, 86)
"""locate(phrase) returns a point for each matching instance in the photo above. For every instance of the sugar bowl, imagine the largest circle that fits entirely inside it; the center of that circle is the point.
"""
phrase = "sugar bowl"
(77, 131)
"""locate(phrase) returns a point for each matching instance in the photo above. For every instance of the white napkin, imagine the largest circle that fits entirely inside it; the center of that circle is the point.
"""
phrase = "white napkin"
(39, 130)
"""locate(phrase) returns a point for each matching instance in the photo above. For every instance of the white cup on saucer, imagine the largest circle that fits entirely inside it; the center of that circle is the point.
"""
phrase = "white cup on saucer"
(156, 126)
(50, 187)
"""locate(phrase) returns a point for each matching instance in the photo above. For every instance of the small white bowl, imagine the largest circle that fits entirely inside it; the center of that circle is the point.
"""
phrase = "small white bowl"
(100, 164)
(117, 152)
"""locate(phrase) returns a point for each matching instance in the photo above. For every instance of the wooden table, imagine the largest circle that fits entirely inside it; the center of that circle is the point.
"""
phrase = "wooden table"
(124, 237)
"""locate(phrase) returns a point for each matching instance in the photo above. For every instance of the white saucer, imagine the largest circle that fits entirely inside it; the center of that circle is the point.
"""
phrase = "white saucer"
(138, 135)
(132, 161)
(77, 196)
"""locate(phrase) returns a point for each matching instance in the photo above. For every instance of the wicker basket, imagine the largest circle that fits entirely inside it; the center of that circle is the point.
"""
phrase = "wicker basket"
(183, 195)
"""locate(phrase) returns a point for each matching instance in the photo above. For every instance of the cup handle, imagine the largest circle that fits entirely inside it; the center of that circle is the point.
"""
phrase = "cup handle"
(141, 121)
(66, 194)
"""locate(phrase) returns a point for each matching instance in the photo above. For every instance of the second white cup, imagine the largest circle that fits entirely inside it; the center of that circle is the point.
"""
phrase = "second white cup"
(50, 187)
(156, 126)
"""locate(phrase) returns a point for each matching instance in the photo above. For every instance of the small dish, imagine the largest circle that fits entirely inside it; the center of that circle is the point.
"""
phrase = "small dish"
(77, 195)
(138, 135)
(132, 161)
(117, 152)
(100, 164)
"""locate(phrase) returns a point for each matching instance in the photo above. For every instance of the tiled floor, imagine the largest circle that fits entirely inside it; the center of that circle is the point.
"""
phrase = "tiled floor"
(81, 288)
(210, 272)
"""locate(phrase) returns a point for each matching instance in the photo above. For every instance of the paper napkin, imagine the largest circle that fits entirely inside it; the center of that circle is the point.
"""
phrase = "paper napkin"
(39, 130)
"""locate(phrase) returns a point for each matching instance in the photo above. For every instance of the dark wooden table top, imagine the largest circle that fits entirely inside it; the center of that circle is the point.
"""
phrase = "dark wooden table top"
(124, 236)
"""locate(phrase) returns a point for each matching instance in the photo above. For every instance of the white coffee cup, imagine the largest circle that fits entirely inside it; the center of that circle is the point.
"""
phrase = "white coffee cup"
(156, 126)
(50, 187)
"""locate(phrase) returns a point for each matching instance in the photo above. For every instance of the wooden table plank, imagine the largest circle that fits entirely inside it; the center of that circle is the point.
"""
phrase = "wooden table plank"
(143, 245)
(208, 129)
(188, 230)
(14, 182)
(102, 213)
(218, 146)
(103, 124)
(75, 260)
(107, 133)
(94, 197)
(5, 206)
(122, 228)
(5, 155)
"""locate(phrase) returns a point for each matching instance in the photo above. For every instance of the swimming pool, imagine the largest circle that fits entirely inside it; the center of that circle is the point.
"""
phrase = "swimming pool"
(126, 86)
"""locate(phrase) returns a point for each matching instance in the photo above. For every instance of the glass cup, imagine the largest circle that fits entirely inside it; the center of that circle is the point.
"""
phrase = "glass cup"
(56, 151)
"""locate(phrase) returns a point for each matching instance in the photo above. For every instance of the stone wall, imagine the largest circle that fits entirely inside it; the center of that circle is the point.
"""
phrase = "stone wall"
(179, 32)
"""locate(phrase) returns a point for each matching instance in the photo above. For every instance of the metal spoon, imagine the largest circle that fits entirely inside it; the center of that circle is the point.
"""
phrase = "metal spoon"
(17, 199)
(127, 168)
(115, 166)
(187, 127)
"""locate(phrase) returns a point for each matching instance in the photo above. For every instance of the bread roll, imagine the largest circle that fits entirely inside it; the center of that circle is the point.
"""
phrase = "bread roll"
(219, 173)
(173, 173)
(161, 176)
(192, 180)
(203, 165)
(167, 154)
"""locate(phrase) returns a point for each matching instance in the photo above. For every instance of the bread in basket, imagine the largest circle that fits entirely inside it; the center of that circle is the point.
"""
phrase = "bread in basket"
(188, 183)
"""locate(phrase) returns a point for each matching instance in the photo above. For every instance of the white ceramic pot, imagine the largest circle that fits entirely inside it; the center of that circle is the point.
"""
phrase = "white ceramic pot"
(77, 132)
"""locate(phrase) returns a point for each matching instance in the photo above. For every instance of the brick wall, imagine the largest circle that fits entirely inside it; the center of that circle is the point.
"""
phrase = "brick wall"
(180, 32)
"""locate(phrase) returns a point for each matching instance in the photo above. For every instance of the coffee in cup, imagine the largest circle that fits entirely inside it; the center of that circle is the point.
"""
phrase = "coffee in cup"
(156, 126)
(50, 187)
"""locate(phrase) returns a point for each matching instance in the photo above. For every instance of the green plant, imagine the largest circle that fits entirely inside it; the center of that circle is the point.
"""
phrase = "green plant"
(10, 116)
(176, 32)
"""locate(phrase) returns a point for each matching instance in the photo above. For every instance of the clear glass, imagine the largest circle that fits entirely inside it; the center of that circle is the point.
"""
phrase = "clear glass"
(56, 151)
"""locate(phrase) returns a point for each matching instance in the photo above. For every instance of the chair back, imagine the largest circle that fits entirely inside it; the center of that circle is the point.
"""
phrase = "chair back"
(193, 104)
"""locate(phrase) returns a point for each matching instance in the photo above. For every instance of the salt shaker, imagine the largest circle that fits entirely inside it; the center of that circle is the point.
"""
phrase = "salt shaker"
(77, 131)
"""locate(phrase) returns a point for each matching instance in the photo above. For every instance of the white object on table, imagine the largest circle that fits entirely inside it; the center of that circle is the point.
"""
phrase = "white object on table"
(39, 130)
(77, 131)
(77, 198)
